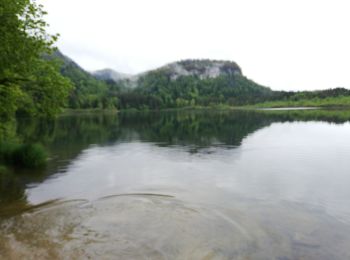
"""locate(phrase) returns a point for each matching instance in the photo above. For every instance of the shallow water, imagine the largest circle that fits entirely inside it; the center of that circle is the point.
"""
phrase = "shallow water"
(186, 185)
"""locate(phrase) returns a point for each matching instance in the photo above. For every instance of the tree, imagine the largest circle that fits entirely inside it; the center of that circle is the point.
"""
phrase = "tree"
(23, 44)
(47, 93)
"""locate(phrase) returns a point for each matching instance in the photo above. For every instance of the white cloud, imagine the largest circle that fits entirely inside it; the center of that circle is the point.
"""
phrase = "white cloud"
(290, 44)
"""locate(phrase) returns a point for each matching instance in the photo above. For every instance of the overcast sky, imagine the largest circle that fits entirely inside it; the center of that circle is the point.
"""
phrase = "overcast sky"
(283, 44)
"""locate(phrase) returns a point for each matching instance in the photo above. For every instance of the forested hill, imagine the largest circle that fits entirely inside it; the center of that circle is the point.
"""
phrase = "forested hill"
(87, 92)
(180, 84)
(192, 82)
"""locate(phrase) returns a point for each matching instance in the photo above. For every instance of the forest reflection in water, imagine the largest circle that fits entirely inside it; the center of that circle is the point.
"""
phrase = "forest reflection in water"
(184, 185)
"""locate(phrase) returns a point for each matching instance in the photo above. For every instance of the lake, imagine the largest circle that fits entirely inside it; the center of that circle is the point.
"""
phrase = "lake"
(182, 185)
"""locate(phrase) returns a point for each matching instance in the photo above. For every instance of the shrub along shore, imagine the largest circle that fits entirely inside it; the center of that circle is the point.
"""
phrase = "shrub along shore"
(16, 155)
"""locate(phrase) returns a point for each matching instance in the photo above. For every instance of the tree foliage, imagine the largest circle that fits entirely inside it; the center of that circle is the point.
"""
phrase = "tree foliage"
(27, 81)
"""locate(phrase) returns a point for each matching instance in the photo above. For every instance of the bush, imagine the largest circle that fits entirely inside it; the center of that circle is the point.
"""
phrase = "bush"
(30, 156)
(6, 152)
(24, 156)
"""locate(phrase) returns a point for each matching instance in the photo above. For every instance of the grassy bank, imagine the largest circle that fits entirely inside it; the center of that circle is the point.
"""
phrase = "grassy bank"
(341, 101)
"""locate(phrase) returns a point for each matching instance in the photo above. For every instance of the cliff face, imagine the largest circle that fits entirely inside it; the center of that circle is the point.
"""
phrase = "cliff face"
(203, 69)
(200, 69)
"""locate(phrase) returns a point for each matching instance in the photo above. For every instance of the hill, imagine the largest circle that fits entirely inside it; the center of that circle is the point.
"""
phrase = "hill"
(182, 84)
(88, 92)
(193, 82)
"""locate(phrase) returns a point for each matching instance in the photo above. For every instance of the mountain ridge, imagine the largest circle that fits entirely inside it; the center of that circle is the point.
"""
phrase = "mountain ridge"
(184, 83)
(203, 68)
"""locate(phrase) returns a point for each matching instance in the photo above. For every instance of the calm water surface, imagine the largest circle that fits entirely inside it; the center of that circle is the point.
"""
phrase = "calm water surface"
(186, 185)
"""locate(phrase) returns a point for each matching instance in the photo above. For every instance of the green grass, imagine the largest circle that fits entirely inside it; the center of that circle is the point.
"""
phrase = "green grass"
(341, 101)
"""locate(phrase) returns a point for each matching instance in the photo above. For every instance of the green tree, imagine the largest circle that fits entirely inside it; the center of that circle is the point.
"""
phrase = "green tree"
(23, 43)
(47, 93)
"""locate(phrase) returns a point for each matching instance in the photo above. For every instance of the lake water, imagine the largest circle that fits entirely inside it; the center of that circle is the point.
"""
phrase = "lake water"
(182, 185)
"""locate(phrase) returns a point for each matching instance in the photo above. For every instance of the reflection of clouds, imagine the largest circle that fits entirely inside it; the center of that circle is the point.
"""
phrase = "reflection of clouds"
(298, 162)
(282, 193)
(127, 165)
(284, 162)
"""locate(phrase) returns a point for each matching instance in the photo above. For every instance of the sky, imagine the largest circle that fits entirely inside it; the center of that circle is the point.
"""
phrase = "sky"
(282, 44)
